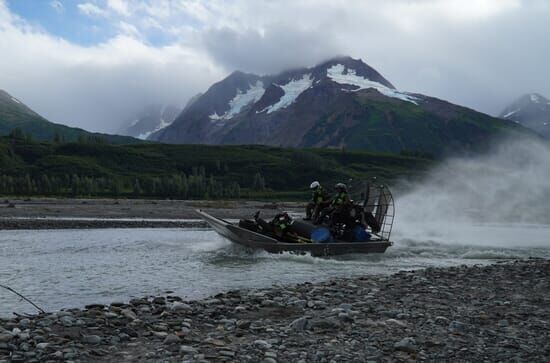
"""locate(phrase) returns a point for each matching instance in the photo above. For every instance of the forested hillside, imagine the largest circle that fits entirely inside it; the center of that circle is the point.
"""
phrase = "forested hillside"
(91, 168)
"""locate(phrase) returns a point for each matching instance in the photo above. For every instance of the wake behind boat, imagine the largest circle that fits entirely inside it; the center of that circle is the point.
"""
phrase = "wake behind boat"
(366, 229)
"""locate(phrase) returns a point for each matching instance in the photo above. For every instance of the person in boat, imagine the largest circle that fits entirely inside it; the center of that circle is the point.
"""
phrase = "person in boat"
(320, 199)
(339, 205)
(279, 226)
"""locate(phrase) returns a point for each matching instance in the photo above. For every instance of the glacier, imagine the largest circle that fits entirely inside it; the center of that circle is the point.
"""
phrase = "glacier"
(336, 74)
(252, 95)
(159, 127)
(510, 113)
(292, 90)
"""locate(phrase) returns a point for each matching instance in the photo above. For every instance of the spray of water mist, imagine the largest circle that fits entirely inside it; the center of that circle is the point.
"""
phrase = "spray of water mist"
(483, 199)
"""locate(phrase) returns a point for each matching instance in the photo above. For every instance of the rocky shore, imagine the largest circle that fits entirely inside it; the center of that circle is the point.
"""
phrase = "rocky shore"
(490, 313)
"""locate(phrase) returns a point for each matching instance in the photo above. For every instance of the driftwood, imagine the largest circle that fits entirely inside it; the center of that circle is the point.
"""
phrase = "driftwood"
(23, 297)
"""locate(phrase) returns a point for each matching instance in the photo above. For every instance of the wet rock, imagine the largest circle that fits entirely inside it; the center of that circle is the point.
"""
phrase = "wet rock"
(299, 324)
(457, 326)
(346, 307)
(227, 353)
(91, 339)
(406, 345)
(129, 314)
(179, 306)
(24, 322)
(66, 321)
(171, 339)
(44, 322)
(324, 324)
(159, 300)
(137, 302)
(95, 306)
(262, 344)
(186, 349)
(42, 346)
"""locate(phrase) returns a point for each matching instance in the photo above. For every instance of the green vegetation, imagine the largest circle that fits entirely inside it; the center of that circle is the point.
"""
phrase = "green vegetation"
(93, 168)
(434, 128)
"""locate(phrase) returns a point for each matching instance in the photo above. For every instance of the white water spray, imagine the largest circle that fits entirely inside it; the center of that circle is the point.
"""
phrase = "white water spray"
(482, 200)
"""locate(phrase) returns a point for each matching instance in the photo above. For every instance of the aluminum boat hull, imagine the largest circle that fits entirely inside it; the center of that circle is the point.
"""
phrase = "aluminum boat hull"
(255, 240)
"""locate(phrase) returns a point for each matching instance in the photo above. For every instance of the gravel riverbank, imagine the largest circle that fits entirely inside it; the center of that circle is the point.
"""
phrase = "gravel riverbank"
(51, 213)
(481, 313)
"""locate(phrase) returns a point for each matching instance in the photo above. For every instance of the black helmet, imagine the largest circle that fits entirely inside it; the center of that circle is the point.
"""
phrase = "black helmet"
(341, 187)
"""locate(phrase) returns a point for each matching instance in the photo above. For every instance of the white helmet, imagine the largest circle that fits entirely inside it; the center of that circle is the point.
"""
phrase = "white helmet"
(314, 185)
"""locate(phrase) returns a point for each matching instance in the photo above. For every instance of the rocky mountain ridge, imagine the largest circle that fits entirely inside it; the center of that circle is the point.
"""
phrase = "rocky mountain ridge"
(340, 103)
(531, 110)
(150, 120)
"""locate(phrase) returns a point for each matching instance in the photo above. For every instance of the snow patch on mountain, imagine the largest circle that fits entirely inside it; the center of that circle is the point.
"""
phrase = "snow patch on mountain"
(292, 90)
(510, 113)
(252, 95)
(534, 98)
(336, 74)
(15, 100)
(162, 125)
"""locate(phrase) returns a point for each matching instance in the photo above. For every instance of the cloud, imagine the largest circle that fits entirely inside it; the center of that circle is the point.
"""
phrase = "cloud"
(128, 29)
(99, 86)
(481, 53)
(91, 9)
(119, 6)
(57, 6)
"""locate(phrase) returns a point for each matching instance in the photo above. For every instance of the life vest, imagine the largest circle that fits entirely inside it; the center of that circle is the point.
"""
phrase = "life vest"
(319, 195)
(340, 199)
(281, 222)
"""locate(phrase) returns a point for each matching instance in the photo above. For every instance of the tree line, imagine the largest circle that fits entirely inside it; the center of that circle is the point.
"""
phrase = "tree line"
(178, 186)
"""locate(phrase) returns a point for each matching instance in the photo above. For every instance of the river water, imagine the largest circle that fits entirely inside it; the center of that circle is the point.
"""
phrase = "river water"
(71, 268)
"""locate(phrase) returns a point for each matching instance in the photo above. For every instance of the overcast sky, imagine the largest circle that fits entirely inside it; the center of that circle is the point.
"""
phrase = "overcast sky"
(93, 63)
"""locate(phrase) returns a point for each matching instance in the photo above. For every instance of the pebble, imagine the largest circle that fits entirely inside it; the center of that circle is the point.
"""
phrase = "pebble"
(171, 339)
(129, 314)
(42, 345)
(262, 344)
(406, 345)
(478, 313)
(91, 339)
(179, 306)
(299, 324)
(187, 349)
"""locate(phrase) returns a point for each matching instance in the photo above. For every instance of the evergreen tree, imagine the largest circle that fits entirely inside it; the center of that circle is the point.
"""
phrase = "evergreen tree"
(258, 182)
(137, 188)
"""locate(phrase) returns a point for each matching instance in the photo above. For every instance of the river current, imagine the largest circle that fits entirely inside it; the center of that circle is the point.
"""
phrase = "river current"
(71, 268)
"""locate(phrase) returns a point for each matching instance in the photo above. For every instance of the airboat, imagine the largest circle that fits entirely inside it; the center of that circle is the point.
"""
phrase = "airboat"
(365, 232)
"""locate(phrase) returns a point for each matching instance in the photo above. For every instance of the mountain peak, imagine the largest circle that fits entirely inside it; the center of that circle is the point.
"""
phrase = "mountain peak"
(531, 110)
(355, 67)
(527, 100)
(536, 98)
